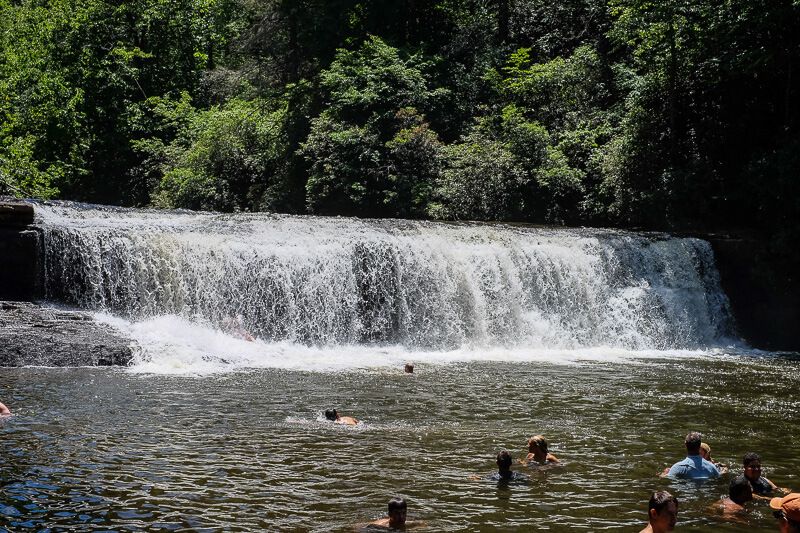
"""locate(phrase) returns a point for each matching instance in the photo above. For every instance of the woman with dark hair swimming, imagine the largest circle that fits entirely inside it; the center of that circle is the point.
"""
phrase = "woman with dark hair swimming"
(333, 416)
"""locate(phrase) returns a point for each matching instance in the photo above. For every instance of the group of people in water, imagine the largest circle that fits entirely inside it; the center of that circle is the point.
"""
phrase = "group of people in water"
(663, 507)
(745, 487)
(662, 512)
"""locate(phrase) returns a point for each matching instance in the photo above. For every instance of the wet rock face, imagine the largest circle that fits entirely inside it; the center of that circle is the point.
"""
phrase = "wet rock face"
(15, 213)
(32, 335)
(20, 253)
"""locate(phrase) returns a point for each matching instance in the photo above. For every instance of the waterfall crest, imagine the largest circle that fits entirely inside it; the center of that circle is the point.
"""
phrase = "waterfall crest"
(426, 285)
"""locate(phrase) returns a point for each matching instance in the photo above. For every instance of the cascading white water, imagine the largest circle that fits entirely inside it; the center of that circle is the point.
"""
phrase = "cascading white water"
(421, 285)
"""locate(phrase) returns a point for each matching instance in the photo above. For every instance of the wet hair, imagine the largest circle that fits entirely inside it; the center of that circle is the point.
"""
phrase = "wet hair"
(539, 441)
(397, 504)
(330, 414)
(409, 368)
(750, 458)
(693, 440)
(504, 459)
(740, 489)
(659, 501)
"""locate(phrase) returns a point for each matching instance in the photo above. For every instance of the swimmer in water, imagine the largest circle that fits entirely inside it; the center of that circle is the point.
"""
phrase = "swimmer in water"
(694, 466)
(4, 411)
(739, 492)
(787, 511)
(504, 472)
(234, 326)
(705, 453)
(333, 415)
(409, 368)
(538, 452)
(752, 471)
(396, 518)
(662, 513)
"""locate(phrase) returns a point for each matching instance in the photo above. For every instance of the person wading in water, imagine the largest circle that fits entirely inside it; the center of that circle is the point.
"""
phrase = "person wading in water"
(662, 512)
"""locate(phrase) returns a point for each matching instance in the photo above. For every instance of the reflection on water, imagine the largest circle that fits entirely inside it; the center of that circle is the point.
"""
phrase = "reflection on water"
(101, 449)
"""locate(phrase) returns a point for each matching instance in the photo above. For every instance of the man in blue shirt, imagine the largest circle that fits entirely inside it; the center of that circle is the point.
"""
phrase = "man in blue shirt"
(694, 466)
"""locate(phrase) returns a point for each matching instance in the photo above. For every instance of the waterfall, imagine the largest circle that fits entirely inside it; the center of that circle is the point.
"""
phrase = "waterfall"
(422, 285)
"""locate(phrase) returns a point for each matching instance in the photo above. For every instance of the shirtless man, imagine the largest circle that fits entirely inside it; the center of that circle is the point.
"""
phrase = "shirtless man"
(662, 512)
(333, 415)
(397, 515)
(234, 326)
(4, 411)
(739, 493)
(538, 452)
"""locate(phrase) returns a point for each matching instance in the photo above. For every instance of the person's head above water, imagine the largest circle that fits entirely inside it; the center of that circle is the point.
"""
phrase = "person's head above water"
(693, 441)
(504, 461)
(409, 368)
(331, 414)
(787, 511)
(705, 451)
(662, 511)
(538, 441)
(397, 512)
(752, 466)
(740, 490)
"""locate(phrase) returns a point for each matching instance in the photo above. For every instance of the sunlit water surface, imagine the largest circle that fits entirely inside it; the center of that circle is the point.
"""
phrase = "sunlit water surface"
(128, 450)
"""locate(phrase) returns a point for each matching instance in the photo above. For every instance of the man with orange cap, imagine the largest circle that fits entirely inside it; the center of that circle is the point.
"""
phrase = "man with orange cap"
(787, 511)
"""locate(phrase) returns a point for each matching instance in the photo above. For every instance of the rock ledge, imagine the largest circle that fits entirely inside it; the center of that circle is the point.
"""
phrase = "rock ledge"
(35, 335)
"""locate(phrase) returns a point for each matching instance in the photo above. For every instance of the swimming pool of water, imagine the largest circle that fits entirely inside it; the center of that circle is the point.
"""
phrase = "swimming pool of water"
(124, 450)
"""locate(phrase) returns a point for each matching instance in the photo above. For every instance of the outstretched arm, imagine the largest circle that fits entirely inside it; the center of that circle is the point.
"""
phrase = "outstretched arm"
(781, 490)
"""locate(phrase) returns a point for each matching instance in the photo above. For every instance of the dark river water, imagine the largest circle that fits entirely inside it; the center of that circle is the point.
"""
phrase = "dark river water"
(113, 450)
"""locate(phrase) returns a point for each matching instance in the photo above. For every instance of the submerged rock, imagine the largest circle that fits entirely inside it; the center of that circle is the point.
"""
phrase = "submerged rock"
(33, 335)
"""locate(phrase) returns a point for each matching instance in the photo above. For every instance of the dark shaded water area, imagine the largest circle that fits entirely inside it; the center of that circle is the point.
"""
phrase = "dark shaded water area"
(111, 450)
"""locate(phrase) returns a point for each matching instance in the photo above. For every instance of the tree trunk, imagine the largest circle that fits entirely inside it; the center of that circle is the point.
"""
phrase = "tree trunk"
(503, 14)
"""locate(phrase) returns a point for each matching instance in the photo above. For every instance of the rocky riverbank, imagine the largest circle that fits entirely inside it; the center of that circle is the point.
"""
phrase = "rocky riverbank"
(35, 335)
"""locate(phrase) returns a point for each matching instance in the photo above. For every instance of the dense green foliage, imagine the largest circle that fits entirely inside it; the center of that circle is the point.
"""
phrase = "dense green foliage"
(678, 114)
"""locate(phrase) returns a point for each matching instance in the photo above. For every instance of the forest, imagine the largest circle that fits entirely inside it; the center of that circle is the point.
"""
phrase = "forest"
(678, 115)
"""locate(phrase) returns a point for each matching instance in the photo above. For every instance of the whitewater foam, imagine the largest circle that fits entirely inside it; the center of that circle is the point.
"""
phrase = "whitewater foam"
(177, 346)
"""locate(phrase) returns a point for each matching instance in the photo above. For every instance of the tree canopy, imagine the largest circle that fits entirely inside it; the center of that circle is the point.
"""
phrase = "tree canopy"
(671, 115)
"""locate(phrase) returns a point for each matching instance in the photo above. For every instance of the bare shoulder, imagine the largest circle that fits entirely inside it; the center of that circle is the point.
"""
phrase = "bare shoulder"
(552, 458)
